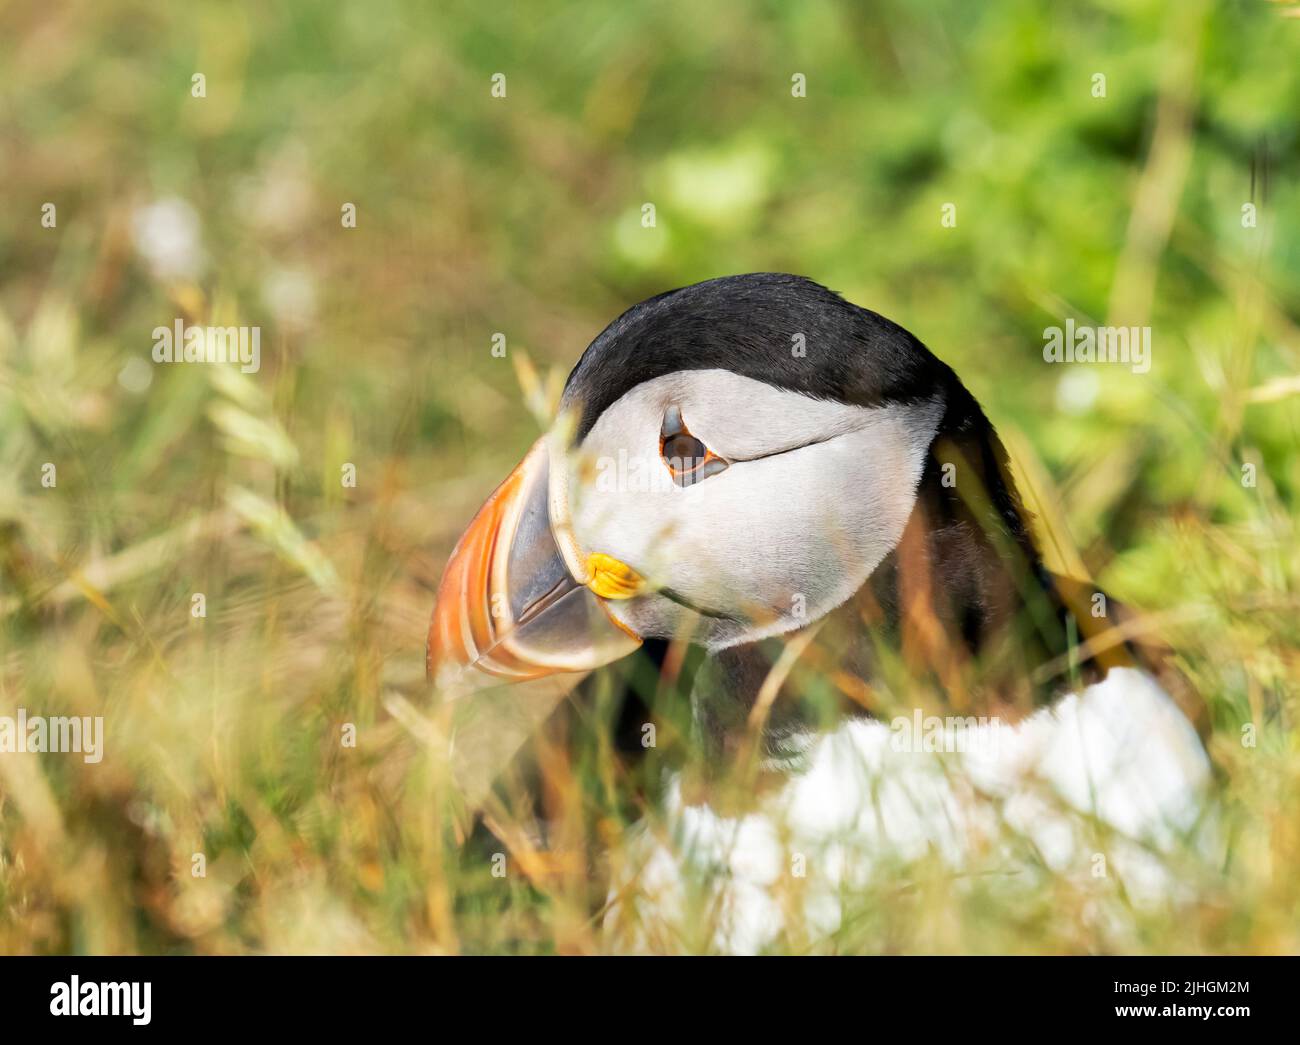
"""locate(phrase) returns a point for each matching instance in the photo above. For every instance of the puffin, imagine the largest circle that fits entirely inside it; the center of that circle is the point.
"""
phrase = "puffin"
(799, 490)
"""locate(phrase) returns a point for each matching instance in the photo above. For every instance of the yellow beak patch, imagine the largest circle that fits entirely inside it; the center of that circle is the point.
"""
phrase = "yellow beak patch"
(611, 578)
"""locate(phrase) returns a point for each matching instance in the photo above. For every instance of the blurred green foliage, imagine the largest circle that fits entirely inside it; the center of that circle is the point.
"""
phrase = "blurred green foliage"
(522, 215)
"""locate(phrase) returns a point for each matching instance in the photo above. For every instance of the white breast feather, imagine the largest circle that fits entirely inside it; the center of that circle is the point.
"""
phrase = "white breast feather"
(1119, 752)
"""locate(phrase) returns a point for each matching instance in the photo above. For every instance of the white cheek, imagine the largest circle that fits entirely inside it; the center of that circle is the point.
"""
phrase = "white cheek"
(625, 504)
(772, 540)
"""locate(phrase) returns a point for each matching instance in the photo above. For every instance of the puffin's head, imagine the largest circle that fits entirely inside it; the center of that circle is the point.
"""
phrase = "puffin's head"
(732, 460)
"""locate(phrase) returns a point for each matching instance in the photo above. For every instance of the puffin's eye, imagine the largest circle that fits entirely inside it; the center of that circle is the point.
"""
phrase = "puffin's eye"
(687, 458)
(684, 449)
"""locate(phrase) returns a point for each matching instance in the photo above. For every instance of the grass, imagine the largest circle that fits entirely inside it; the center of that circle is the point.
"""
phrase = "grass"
(522, 215)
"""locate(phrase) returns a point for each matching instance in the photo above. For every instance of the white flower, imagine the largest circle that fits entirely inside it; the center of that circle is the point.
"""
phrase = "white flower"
(166, 233)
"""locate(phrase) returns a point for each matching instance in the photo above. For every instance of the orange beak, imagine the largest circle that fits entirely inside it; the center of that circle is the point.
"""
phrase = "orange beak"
(509, 609)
